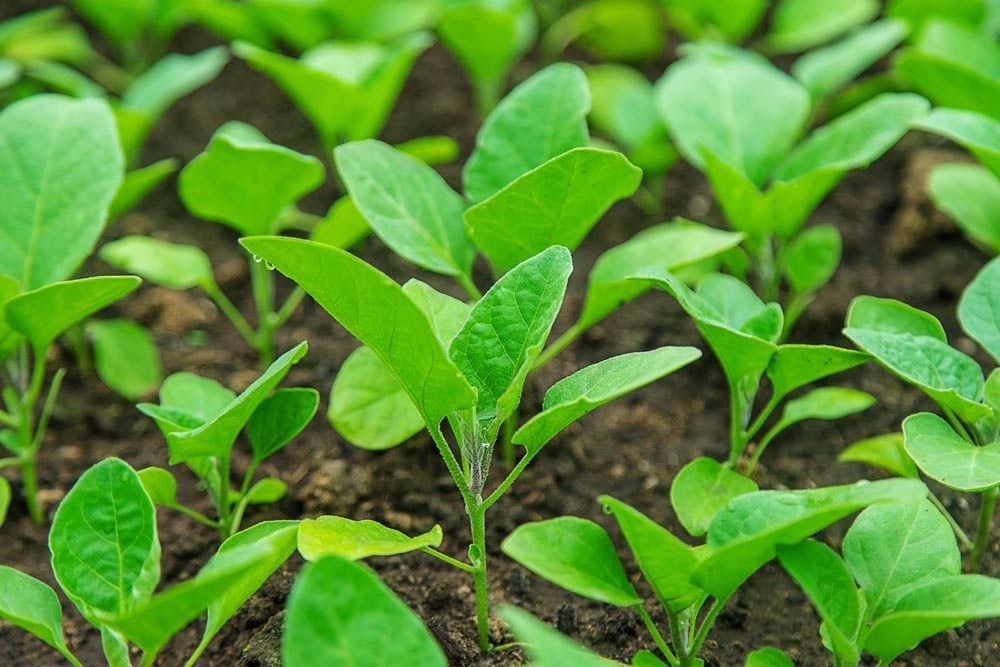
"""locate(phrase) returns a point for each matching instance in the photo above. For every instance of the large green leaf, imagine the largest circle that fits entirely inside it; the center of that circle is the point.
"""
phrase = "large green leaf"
(245, 181)
(979, 308)
(125, 357)
(354, 540)
(33, 606)
(105, 550)
(712, 101)
(978, 133)
(891, 549)
(364, 301)
(60, 166)
(745, 534)
(217, 436)
(506, 330)
(576, 554)
(949, 458)
(45, 313)
(160, 262)
(597, 384)
(543, 117)
(339, 612)
(970, 194)
(557, 203)
(547, 647)
(701, 489)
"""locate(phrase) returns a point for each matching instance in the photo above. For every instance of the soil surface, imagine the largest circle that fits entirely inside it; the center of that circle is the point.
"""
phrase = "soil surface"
(895, 245)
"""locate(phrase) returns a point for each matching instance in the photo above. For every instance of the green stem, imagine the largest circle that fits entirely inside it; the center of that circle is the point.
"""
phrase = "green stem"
(27, 435)
(989, 502)
(262, 282)
(761, 446)
(47, 408)
(224, 509)
(507, 449)
(197, 516)
(231, 312)
(558, 346)
(508, 481)
(736, 443)
(706, 625)
(452, 464)
(655, 633)
(793, 311)
(30, 481)
(486, 93)
(10, 461)
(470, 288)
(477, 517)
(454, 562)
(7, 419)
(287, 308)
(963, 537)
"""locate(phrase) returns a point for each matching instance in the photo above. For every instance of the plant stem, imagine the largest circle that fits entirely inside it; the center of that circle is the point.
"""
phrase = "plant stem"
(706, 625)
(508, 481)
(963, 537)
(989, 500)
(454, 562)
(231, 312)
(287, 308)
(477, 517)
(507, 438)
(486, 93)
(655, 633)
(197, 516)
(470, 287)
(761, 446)
(27, 435)
(30, 481)
(558, 346)
(224, 527)
(262, 282)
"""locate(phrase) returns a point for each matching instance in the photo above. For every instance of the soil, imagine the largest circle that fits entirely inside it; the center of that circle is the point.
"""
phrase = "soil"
(894, 246)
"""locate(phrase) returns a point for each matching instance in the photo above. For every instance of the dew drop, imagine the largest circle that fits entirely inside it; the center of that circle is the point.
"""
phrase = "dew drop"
(257, 258)
(268, 266)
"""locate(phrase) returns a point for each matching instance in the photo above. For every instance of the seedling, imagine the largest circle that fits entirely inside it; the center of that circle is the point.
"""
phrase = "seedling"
(744, 529)
(63, 167)
(899, 582)
(138, 29)
(961, 450)
(201, 421)
(743, 332)
(744, 140)
(470, 372)
(106, 559)
(627, 31)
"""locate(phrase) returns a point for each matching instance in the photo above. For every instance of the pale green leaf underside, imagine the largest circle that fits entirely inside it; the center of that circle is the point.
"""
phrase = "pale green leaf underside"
(160, 262)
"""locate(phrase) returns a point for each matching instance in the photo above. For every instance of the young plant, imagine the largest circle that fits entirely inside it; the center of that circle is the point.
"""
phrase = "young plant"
(139, 30)
(743, 333)
(468, 368)
(629, 31)
(962, 450)
(744, 529)
(743, 131)
(61, 167)
(223, 185)
(532, 182)
(202, 420)
(899, 582)
(799, 25)
(106, 559)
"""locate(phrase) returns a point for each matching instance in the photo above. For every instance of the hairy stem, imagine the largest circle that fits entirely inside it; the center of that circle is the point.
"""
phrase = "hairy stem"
(989, 500)
(454, 562)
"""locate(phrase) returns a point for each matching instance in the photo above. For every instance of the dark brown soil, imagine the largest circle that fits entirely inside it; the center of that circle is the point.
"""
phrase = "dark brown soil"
(630, 449)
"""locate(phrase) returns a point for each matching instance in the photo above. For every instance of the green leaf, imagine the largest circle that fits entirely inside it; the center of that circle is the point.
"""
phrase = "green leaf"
(125, 357)
(543, 117)
(5, 496)
(244, 181)
(713, 102)
(891, 316)
(665, 561)
(669, 246)
(196, 400)
(160, 485)
(597, 384)
(970, 194)
(433, 149)
(163, 263)
(506, 330)
(929, 609)
(949, 458)
(354, 540)
(813, 258)
(796, 365)
(576, 554)
(892, 549)
(882, 451)
(105, 550)
(615, 30)
(445, 313)
(825, 580)
(43, 314)
(9, 339)
(768, 657)
(978, 133)
(408, 205)
(701, 489)
(487, 38)
(363, 300)
(746, 533)
(279, 539)
(266, 491)
(705, 19)
(557, 203)
(339, 611)
(60, 166)
(979, 309)
(797, 25)
(827, 403)
(343, 226)
(825, 70)
(547, 647)
(137, 184)
(33, 606)
(279, 418)
(217, 436)
(623, 105)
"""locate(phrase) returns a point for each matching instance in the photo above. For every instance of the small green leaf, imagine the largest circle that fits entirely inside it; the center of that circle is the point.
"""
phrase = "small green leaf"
(43, 314)
(506, 330)
(163, 263)
(597, 384)
(824, 578)
(543, 117)
(5, 496)
(217, 436)
(949, 458)
(979, 309)
(187, 401)
(363, 300)
(60, 167)
(978, 133)
(408, 205)
(126, 357)
(794, 366)
(244, 181)
(137, 184)
(557, 203)
(266, 491)
(432, 150)
(701, 489)
(798, 25)
(665, 561)
(891, 316)
(354, 540)
(343, 226)
(827, 403)
(813, 258)
(339, 611)
(279, 418)
(547, 647)
(33, 606)
(970, 194)
(160, 485)
(882, 451)
(487, 38)
(768, 657)
(105, 550)
(576, 554)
